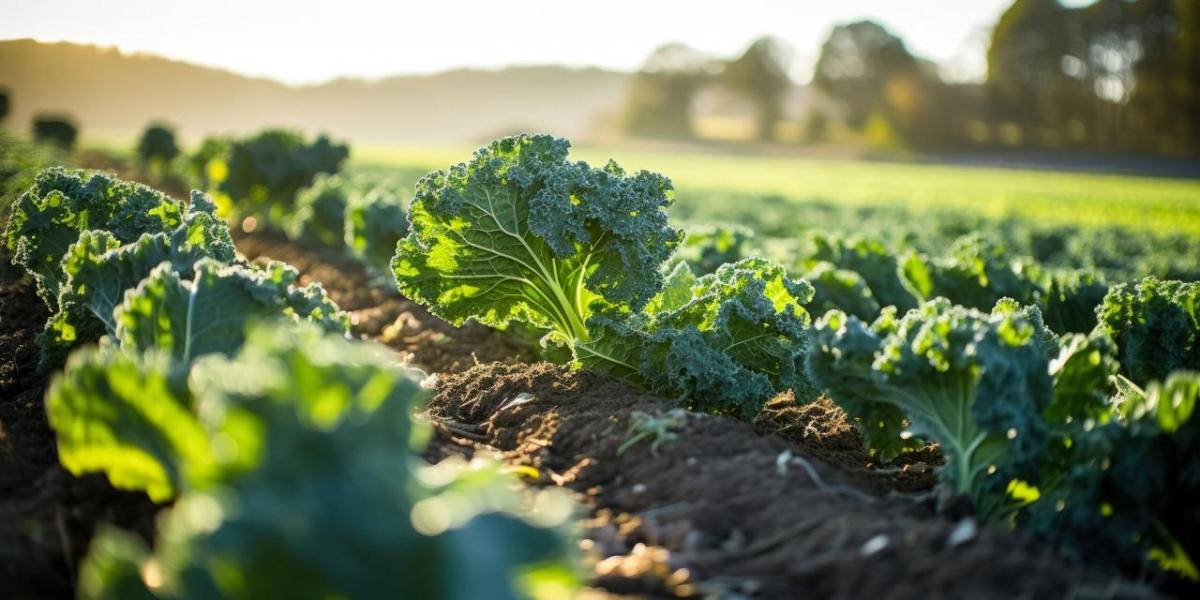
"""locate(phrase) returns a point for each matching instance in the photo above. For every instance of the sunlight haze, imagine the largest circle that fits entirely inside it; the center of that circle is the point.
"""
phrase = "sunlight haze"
(301, 42)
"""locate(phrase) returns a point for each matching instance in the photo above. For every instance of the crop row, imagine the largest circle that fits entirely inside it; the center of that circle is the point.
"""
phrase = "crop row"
(224, 388)
(1063, 405)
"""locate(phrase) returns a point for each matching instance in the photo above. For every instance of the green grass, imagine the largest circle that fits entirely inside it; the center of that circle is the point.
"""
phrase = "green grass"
(1154, 204)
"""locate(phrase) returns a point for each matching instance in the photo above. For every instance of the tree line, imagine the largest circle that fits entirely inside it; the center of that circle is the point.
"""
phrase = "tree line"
(1112, 76)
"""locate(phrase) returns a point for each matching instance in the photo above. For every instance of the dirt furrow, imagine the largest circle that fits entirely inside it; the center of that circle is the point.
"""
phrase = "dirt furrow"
(788, 507)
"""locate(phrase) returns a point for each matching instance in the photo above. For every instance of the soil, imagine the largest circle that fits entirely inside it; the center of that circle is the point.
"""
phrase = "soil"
(722, 509)
(789, 506)
(378, 312)
(47, 516)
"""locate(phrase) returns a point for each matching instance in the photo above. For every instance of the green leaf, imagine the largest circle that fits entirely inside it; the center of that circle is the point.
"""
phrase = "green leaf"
(1123, 494)
(209, 314)
(705, 249)
(320, 216)
(375, 224)
(99, 270)
(117, 413)
(1083, 379)
(840, 289)
(114, 567)
(312, 436)
(1156, 326)
(885, 274)
(61, 205)
(268, 169)
(977, 274)
(977, 384)
(522, 234)
(1070, 301)
(723, 343)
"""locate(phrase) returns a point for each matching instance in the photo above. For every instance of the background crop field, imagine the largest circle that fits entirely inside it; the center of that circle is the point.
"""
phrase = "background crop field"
(716, 187)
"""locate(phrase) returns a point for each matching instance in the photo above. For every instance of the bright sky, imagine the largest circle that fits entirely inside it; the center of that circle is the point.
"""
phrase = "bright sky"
(304, 41)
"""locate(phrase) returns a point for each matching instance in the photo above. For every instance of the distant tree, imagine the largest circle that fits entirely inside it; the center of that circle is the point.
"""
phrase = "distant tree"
(59, 130)
(1028, 57)
(4, 106)
(663, 90)
(816, 127)
(1118, 75)
(856, 65)
(761, 74)
(157, 144)
(1187, 76)
(1164, 106)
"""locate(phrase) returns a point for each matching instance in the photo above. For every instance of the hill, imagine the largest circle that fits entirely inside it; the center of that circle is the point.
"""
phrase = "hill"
(106, 89)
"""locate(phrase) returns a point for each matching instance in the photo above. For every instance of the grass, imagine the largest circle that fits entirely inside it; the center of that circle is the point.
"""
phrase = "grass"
(1156, 204)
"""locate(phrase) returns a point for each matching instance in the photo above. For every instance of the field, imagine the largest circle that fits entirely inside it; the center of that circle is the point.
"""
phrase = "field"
(534, 379)
(706, 180)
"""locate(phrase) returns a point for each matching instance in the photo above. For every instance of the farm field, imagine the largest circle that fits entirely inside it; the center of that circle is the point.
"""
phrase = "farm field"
(742, 389)
(708, 182)
(644, 301)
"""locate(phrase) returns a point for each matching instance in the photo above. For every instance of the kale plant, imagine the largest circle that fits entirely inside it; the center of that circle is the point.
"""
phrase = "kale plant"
(978, 384)
(1156, 325)
(299, 444)
(520, 234)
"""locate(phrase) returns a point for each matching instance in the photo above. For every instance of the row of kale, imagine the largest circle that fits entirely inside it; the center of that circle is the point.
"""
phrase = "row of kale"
(222, 387)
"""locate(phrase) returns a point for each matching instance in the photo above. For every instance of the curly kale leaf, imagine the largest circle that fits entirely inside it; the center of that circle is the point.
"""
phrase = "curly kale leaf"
(977, 384)
(879, 268)
(1156, 326)
(705, 249)
(752, 312)
(187, 319)
(977, 274)
(99, 270)
(722, 343)
(848, 370)
(375, 223)
(1129, 492)
(841, 289)
(522, 234)
(49, 217)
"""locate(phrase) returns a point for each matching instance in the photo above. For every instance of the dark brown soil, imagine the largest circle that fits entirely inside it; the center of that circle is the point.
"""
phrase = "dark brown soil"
(725, 510)
(825, 431)
(47, 516)
(378, 312)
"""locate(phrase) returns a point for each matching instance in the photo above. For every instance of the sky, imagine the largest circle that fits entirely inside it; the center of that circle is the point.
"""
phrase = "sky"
(304, 41)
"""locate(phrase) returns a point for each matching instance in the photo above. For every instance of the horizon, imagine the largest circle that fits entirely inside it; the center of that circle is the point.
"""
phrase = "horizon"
(265, 40)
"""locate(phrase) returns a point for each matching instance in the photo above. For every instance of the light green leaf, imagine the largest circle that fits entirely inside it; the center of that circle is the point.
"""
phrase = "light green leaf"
(209, 314)
(117, 413)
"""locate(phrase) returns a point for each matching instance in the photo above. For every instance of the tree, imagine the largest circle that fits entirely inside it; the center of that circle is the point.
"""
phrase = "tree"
(1026, 63)
(4, 107)
(157, 144)
(888, 93)
(1118, 75)
(857, 63)
(761, 74)
(662, 92)
(1165, 101)
(59, 130)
